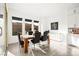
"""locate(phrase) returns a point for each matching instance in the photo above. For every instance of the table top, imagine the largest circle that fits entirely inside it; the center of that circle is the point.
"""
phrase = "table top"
(27, 36)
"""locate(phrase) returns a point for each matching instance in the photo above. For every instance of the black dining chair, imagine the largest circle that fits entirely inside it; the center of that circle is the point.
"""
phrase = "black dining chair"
(36, 39)
(45, 36)
(21, 43)
(30, 32)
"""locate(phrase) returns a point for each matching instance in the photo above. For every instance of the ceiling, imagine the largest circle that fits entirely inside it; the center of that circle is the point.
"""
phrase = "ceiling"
(41, 9)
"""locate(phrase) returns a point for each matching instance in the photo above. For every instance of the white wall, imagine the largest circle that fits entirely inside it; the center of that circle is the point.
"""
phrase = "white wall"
(58, 15)
(46, 13)
(77, 17)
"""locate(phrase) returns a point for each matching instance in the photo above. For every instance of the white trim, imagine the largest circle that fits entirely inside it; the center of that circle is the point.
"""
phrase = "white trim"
(28, 22)
(16, 21)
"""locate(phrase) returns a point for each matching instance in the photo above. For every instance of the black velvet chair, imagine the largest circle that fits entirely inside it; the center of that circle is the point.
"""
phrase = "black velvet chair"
(36, 39)
(45, 36)
(30, 32)
(20, 41)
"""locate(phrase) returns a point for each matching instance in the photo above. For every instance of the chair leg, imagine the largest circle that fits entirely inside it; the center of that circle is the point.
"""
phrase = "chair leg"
(39, 44)
(19, 50)
(34, 46)
(30, 51)
(42, 50)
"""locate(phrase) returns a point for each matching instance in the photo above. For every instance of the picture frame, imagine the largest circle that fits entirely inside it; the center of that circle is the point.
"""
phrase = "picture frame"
(54, 26)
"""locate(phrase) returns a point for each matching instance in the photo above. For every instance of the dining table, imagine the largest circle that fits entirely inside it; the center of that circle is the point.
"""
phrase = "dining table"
(26, 39)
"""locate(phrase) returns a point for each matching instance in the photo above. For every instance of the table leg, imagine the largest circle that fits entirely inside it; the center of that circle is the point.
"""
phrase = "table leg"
(26, 44)
(49, 41)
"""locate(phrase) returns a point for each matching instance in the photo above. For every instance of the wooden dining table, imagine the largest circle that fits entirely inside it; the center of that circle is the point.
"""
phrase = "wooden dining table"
(26, 39)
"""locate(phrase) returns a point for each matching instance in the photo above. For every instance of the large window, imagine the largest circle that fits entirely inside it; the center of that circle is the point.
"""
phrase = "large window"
(36, 24)
(35, 27)
(16, 25)
(28, 25)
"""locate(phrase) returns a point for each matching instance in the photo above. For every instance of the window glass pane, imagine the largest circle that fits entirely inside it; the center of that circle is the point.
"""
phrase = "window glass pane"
(35, 21)
(16, 18)
(16, 27)
(35, 27)
(28, 27)
(28, 20)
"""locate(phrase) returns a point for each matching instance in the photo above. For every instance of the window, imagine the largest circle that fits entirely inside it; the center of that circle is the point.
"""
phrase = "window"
(35, 27)
(36, 24)
(16, 18)
(28, 20)
(16, 25)
(28, 27)
(35, 21)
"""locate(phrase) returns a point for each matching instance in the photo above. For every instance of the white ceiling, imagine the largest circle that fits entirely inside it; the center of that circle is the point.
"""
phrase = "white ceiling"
(41, 9)
(25, 5)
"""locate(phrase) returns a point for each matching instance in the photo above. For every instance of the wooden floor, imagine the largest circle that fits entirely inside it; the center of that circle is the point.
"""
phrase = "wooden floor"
(2, 50)
(52, 51)
(57, 48)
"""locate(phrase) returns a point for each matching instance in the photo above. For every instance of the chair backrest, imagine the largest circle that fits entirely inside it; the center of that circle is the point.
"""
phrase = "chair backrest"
(37, 37)
(19, 38)
(30, 32)
(45, 36)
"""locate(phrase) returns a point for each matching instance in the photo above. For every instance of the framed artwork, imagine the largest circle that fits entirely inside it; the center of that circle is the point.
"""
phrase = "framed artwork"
(0, 31)
(54, 26)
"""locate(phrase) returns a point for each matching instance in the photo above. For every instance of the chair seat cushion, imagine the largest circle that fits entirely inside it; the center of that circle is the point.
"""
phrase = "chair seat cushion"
(34, 42)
